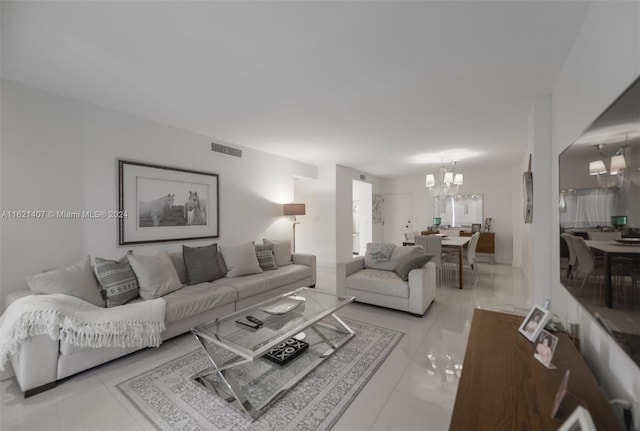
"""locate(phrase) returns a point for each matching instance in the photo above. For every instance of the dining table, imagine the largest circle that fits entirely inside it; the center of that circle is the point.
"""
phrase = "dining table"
(457, 242)
(610, 249)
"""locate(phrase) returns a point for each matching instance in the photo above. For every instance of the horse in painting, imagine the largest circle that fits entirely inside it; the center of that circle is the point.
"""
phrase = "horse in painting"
(195, 210)
(156, 208)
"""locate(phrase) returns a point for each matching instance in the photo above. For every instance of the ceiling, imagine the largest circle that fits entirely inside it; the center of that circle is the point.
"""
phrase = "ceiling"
(389, 88)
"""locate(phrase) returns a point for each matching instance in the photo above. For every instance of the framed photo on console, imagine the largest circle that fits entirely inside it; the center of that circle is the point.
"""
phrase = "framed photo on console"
(534, 323)
(161, 203)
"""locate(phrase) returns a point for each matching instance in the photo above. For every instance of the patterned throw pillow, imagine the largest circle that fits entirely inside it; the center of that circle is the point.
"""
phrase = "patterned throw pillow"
(118, 282)
(265, 256)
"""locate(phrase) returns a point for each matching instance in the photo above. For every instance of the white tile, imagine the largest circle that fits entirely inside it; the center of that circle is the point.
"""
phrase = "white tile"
(402, 412)
(362, 412)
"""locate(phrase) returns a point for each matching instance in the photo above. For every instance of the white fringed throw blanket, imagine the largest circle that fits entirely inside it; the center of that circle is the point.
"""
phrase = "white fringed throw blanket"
(67, 318)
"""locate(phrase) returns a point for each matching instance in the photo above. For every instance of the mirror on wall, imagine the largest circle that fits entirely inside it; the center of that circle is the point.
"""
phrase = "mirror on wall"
(459, 210)
(599, 209)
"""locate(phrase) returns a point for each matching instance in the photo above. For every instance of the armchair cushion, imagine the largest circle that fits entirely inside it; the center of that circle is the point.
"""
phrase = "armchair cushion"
(414, 260)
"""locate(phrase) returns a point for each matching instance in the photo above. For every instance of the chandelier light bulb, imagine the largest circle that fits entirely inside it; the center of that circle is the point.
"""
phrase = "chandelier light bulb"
(457, 180)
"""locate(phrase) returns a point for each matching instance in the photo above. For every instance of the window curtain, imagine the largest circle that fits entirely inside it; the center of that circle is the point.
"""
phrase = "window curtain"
(594, 207)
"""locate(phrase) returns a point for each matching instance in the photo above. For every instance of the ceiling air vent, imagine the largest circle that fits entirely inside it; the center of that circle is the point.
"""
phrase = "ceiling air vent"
(219, 148)
(363, 177)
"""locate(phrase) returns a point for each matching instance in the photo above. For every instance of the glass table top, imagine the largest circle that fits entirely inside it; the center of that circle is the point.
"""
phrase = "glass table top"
(306, 306)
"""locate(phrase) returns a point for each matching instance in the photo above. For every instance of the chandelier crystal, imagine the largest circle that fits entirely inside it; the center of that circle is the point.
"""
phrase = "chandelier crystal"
(445, 182)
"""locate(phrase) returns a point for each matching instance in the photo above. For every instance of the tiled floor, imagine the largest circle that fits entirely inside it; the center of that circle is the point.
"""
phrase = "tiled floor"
(406, 393)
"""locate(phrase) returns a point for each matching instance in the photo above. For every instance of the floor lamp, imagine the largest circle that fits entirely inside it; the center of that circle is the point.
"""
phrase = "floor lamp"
(294, 210)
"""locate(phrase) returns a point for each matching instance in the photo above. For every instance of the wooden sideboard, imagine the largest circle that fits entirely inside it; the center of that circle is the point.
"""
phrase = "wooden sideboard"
(503, 387)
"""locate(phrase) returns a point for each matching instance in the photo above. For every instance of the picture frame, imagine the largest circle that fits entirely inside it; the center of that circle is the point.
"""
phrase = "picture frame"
(534, 323)
(475, 227)
(546, 344)
(579, 420)
(162, 203)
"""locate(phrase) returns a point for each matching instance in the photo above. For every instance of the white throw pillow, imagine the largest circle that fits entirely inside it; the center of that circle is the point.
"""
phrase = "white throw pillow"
(281, 251)
(240, 259)
(75, 280)
(156, 274)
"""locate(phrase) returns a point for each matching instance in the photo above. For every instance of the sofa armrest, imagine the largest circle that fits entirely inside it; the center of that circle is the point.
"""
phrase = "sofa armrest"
(422, 288)
(345, 269)
(308, 260)
(17, 294)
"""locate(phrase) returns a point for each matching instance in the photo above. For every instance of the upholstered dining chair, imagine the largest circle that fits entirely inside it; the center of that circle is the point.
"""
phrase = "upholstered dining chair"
(604, 236)
(432, 244)
(587, 264)
(572, 266)
(471, 254)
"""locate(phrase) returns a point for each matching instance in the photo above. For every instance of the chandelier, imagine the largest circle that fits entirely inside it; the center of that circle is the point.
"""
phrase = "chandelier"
(615, 175)
(445, 182)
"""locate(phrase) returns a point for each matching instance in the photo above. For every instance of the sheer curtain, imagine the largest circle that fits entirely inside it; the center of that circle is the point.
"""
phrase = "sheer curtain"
(595, 207)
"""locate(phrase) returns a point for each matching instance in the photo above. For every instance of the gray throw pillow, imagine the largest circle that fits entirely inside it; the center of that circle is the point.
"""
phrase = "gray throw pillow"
(202, 263)
(265, 256)
(410, 262)
(118, 282)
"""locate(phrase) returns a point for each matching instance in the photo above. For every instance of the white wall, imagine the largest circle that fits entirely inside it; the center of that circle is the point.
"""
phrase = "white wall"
(60, 154)
(494, 185)
(604, 60)
(316, 232)
(344, 197)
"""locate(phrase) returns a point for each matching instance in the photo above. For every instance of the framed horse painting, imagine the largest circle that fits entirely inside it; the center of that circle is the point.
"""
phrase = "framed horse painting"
(161, 203)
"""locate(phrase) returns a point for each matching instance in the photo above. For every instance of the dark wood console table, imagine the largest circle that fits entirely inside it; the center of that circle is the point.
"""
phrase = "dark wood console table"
(503, 387)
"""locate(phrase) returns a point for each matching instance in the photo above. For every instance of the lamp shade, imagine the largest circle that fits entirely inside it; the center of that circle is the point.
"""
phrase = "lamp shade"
(448, 177)
(431, 180)
(617, 163)
(597, 167)
(294, 209)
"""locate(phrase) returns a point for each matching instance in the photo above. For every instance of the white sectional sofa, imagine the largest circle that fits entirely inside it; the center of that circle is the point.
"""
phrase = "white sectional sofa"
(41, 361)
(377, 283)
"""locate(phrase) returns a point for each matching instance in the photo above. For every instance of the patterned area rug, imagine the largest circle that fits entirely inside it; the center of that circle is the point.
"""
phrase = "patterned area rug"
(171, 400)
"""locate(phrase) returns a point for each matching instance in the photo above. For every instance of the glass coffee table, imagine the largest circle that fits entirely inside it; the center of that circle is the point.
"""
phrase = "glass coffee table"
(251, 368)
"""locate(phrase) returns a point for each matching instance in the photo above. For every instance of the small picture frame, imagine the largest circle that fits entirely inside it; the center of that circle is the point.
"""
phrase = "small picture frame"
(475, 227)
(534, 323)
(545, 348)
(579, 420)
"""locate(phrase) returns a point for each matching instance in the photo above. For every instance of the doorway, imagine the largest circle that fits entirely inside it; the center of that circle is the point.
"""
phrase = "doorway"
(362, 227)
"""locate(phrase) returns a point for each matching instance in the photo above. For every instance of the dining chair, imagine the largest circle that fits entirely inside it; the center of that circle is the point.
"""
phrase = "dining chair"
(471, 254)
(572, 266)
(587, 264)
(604, 236)
(432, 244)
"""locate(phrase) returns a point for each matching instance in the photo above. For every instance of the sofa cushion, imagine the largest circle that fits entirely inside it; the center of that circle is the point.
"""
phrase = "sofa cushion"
(195, 299)
(156, 274)
(202, 263)
(388, 265)
(119, 283)
(378, 281)
(250, 285)
(281, 251)
(75, 280)
(414, 260)
(240, 260)
(178, 263)
(266, 259)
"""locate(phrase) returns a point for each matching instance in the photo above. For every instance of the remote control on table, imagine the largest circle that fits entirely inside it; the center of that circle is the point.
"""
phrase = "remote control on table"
(255, 320)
